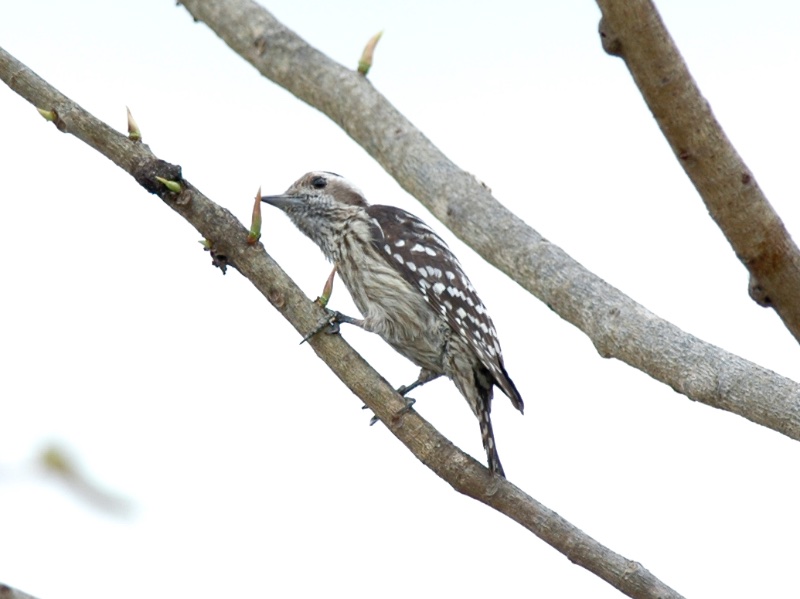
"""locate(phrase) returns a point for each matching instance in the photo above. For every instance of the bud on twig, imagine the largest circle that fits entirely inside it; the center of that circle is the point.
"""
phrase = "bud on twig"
(49, 115)
(173, 186)
(255, 222)
(365, 63)
(134, 134)
(322, 300)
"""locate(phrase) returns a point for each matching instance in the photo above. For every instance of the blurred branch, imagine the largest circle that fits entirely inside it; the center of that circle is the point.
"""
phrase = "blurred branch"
(56, 461)
(228, 238)
(619, 327)
(633, 30)
(6, 592)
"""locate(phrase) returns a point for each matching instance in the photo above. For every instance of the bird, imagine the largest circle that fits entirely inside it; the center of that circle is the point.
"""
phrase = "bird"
(409, 288)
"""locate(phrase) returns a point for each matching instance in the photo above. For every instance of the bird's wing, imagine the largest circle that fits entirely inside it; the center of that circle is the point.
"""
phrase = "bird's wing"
(423, 259)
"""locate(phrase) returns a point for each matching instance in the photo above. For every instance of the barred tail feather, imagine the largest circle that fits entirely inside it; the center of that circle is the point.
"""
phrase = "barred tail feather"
(477, 387)
(487, 435)
(510, 389)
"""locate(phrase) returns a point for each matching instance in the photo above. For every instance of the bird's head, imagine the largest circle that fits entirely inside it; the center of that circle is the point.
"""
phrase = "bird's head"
(317, 189)
(321, 205)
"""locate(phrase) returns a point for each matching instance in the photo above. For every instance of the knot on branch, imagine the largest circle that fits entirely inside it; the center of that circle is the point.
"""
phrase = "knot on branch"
(609, 39)
(147, 173)
(757, 293)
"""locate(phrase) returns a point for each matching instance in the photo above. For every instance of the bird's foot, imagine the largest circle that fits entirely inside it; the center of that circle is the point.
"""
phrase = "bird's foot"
(331, 322)
(425, 376)
(404, 410)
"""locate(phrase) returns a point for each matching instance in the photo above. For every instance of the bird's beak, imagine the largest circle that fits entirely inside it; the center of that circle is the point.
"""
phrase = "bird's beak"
(283, 202)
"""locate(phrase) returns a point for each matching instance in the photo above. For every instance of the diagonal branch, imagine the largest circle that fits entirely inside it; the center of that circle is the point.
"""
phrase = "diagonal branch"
(7, 592)
(618, 326)
(633, 30)
(215, 223)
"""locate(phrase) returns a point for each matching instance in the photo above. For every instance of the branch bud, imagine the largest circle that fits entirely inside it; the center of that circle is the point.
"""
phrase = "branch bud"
(255, 222)
(365, 63)
(49, 115)
(322, 300)
(173, 186)
(134, 134)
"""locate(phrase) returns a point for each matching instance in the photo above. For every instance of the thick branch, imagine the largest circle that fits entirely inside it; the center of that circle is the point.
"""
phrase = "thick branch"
(634, 30)
(228, 235)
(619, 327)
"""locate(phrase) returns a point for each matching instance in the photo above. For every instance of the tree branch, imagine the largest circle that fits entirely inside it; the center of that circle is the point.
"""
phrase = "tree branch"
(618, 326)
(7, 592)
(215, 223)
(633, 30)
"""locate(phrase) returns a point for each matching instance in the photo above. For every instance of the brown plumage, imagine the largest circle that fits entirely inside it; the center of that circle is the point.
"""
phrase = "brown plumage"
(409, 288)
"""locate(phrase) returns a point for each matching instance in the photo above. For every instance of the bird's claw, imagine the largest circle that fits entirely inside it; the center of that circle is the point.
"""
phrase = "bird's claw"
(331, 322)
(404, 410)
(406, 388)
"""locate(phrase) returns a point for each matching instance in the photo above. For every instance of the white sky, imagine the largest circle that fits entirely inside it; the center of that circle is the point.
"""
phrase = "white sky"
(250, 470)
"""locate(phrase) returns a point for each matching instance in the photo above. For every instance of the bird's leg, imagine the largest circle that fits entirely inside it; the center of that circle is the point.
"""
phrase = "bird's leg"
(425, 376)
(332, 322)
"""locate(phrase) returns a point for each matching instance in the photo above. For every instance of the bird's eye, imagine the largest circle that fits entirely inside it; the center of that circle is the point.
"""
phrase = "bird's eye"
(319, 182)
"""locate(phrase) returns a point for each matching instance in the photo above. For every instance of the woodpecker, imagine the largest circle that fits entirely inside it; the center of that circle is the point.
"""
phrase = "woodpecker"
(409, 288)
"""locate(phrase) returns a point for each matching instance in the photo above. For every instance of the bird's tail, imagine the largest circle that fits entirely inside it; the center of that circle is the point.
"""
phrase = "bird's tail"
(487, 436)
(477, 388)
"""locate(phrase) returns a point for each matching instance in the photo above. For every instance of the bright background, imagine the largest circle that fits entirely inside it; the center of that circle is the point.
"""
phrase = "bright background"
(248, 470)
